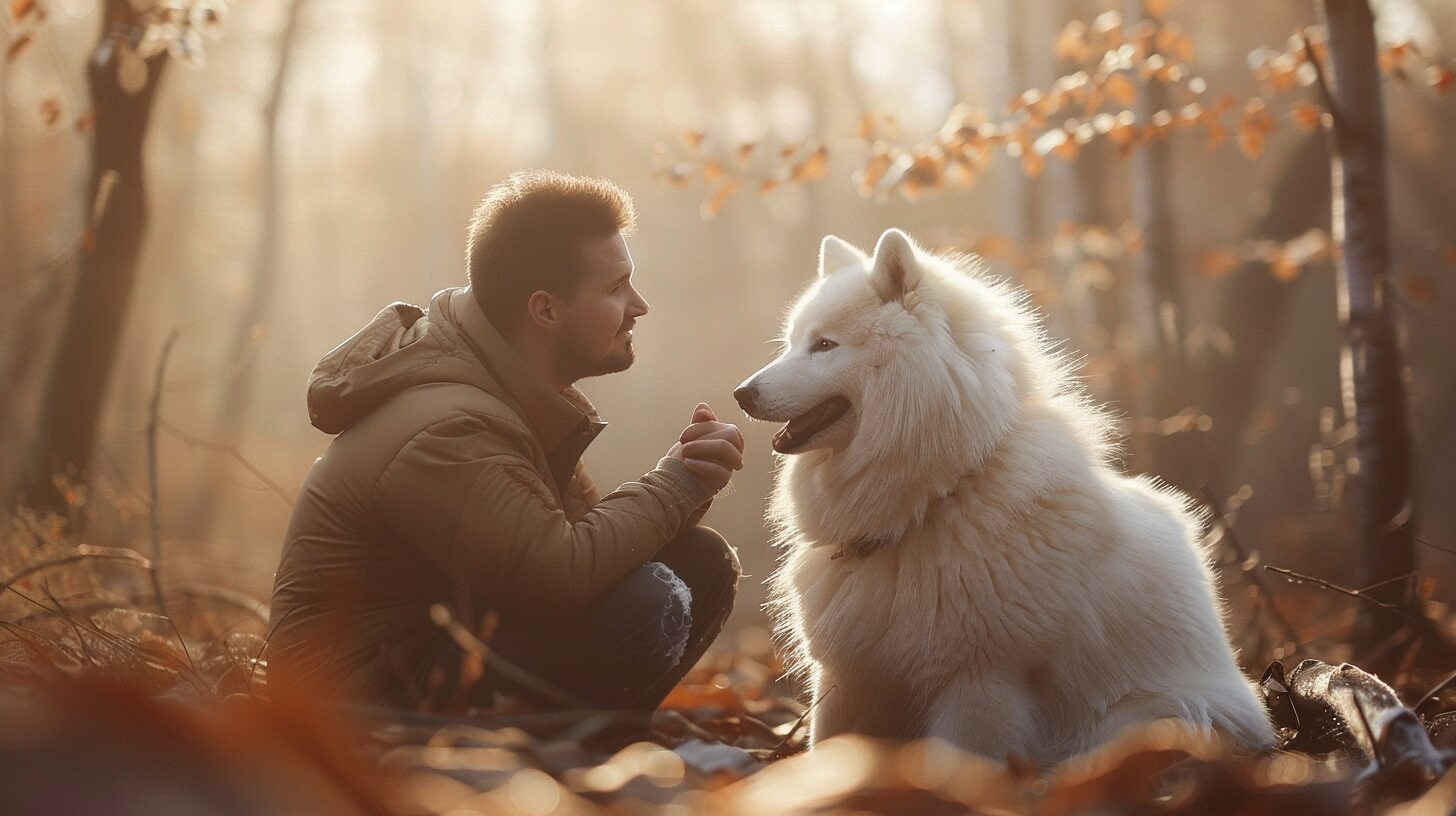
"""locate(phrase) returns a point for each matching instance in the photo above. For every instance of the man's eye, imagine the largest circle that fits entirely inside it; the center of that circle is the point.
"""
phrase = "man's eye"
(824, 344)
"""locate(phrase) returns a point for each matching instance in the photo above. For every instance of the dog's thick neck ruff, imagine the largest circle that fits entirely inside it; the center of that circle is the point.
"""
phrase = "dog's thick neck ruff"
(871, 543)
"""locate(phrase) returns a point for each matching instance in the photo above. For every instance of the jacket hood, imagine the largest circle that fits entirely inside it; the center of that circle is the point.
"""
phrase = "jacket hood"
(404, 346)
(401, 347)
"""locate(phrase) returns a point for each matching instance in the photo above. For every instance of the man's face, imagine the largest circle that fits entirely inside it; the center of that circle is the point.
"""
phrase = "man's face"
(596, 325)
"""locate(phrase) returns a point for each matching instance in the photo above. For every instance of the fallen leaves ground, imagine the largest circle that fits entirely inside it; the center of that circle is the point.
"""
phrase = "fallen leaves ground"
(101, 709)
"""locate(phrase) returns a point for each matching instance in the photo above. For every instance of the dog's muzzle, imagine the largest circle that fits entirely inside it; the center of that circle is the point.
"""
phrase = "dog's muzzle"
(747, 396)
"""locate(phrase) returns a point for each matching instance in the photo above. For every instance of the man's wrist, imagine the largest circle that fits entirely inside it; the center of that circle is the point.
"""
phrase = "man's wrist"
(676, 474)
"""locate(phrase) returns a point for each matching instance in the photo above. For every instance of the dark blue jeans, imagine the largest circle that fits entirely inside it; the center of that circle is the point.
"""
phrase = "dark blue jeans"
(629, 648)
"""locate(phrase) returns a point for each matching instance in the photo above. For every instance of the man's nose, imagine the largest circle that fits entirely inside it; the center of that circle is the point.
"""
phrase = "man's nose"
(747, 396)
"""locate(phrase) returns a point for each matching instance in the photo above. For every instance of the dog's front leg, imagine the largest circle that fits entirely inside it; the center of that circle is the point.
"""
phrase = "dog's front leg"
(840, 707)
(987, 715)
(862, 705)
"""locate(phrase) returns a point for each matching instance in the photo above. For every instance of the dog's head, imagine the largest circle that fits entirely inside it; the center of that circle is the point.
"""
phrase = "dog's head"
(902, 353)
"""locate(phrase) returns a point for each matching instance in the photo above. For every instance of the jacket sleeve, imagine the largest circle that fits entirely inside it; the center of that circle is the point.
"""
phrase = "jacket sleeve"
(464, 493)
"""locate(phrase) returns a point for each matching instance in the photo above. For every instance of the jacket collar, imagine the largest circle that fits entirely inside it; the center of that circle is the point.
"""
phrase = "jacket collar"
(564, 422)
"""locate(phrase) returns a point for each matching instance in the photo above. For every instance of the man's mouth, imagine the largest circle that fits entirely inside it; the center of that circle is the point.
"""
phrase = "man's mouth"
(805, 426)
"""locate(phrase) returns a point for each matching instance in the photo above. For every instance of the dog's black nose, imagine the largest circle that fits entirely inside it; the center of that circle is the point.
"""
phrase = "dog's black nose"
(747, 396)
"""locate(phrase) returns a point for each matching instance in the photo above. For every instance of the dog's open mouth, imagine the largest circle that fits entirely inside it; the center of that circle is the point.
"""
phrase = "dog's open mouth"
(803, 427)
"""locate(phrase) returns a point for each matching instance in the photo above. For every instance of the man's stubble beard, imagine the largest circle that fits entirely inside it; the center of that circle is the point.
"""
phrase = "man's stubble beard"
(581, 364)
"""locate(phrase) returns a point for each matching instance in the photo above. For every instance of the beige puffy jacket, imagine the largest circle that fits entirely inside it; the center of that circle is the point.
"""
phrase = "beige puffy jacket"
(455, 478)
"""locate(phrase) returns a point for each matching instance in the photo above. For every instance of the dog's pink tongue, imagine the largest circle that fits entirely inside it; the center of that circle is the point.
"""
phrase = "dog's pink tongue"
(783, 441)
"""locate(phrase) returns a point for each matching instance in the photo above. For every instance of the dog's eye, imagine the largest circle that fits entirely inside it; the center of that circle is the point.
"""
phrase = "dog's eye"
(824, 344)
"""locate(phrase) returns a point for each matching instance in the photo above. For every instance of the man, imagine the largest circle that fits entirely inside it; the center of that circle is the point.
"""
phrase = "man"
(454, 495)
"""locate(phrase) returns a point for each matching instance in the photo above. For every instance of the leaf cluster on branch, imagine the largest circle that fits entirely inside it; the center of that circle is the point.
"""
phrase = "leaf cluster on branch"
(137, 31)
(1110, 61)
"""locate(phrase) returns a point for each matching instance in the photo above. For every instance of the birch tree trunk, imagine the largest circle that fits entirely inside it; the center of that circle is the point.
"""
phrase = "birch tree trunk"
(1370, 365)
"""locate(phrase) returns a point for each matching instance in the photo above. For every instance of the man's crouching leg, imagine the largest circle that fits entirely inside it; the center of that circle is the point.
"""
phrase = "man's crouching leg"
(634, 643)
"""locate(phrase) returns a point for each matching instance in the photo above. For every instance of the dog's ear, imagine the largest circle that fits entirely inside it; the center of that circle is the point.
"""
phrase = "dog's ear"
(836, 253)
(896, 271)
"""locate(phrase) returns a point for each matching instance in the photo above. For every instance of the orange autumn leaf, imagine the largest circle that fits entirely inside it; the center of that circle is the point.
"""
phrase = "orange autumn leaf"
(714, 203)
(1216, 263)
(924, 173)
(689, 696)
(50, 111)
(1157, 9)
(1131, 236)
(1392, 60)
(16, 47)
(1254, 125)
(872, 126)
(1123, 129)
(1175, 42)
(1216, 132)
(813, 167)
(1031, 163)
(867, 178)
(1120, 89)
(1307, 115)
(1071, 44)
(1419, 288)
(1283, 268)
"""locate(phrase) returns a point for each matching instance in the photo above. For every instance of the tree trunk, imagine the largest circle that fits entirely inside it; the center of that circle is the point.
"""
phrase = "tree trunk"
(77, 384)
(1370, 366)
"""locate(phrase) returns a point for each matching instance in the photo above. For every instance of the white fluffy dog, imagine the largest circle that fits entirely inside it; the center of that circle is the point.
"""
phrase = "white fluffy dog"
(962, 559)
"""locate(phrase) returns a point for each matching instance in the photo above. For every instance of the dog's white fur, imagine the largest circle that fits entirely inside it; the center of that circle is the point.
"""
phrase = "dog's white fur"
(962, 559)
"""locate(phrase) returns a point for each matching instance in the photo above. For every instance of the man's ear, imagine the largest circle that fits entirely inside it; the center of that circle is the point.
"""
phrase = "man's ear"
(835, 254)
(542, 309)
(896, 272)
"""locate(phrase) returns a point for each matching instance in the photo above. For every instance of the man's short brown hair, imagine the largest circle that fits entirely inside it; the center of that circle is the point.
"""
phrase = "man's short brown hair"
(526, 233)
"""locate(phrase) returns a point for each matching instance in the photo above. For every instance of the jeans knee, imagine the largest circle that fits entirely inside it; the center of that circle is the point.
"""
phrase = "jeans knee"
(651, 608)
(708, 546)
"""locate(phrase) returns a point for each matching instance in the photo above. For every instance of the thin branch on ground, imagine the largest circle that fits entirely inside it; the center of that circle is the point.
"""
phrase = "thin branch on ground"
(154, 506)
(1425, 626)
(67, 616)
(108, 637)
(466, 640)
(1437, 547)
(55, 644)
(1353, 593)
(86, 553)
(1387, 582)
(1437, 689)
(267, 637)
(800, 722)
